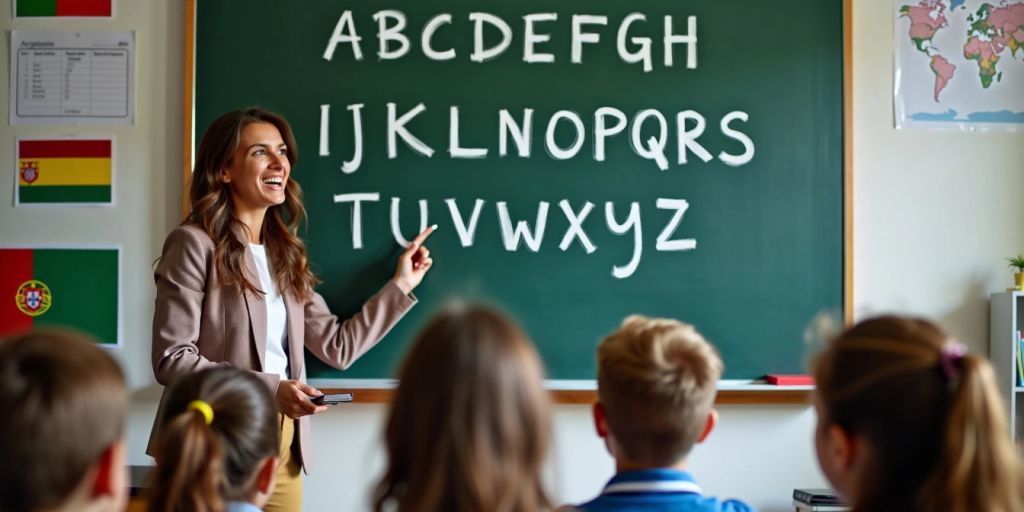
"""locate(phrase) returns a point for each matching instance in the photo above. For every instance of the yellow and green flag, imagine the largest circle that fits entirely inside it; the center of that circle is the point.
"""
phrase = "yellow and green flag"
(64, 171)
(75, 288)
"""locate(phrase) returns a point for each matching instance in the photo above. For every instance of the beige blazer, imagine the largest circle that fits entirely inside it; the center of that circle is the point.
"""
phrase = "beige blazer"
(200, 324)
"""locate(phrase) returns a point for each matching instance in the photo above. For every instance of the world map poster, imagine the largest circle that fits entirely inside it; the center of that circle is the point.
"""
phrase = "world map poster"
(959, 64)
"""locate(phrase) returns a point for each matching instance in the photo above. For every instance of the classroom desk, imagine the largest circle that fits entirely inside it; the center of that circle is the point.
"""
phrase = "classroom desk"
(137, 477)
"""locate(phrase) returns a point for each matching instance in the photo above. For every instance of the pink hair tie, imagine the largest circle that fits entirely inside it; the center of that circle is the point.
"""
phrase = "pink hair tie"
(949, 358)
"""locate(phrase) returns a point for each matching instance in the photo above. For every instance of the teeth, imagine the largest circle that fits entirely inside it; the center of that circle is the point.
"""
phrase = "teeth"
(272, 181)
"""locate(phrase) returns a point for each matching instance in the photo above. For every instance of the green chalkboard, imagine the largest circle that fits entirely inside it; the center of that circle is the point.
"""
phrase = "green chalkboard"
(757, 252)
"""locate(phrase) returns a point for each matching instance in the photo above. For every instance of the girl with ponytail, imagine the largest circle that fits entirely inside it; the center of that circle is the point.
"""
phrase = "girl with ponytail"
(217, 444)
(909, 421)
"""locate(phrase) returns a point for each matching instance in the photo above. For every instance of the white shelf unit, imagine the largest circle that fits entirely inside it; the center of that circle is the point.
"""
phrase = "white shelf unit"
(1006, 317)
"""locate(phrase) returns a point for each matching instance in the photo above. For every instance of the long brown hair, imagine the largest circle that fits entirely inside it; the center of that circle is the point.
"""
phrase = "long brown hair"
(932, 414)
(64, 404)
(212, 210)
(199, 466)
(469, 426)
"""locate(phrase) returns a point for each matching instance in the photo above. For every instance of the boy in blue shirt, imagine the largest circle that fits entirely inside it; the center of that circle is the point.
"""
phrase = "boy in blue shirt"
(656, 381)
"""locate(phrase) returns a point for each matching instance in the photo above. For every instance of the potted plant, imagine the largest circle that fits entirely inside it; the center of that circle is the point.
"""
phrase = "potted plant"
(1017, 262)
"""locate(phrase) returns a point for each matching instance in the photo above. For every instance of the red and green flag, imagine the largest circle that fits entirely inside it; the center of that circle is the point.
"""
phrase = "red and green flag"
(62, 171)
(75, 288)
(55, 8)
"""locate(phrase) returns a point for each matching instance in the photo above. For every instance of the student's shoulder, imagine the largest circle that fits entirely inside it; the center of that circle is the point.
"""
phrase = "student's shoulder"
(733, 505)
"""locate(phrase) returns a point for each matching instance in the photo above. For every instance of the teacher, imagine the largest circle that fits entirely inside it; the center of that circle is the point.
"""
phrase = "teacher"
(233, 284)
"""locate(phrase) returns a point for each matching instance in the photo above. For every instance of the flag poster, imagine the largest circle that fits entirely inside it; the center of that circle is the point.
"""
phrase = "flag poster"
(64, 172)
(77, 288)
(63, 8)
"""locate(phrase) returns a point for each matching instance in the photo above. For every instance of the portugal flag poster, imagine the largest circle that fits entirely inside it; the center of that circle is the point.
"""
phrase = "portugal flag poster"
(75, 287)
(64, 172)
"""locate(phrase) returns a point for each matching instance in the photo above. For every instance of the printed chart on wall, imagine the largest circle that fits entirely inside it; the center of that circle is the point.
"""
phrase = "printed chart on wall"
(959, 64)
(72, 287)
(63, 172)
(583, 161)
(72, 78)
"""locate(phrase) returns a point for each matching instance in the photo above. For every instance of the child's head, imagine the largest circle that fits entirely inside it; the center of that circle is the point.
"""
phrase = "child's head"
(64, 404)
(469, 425)
(656, 383)
(218, 440)
(907, 420)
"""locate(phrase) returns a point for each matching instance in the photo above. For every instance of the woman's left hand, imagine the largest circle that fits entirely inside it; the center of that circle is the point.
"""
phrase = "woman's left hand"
(414, 263)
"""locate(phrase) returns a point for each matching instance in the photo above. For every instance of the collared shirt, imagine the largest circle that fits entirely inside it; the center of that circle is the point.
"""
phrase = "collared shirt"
(241, 506)
(658, 489)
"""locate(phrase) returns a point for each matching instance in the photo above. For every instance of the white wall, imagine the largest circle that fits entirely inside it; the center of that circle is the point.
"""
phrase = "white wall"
(934, 216)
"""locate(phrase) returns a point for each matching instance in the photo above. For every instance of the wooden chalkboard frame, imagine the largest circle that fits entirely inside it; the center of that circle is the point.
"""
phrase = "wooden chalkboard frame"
(728, 394)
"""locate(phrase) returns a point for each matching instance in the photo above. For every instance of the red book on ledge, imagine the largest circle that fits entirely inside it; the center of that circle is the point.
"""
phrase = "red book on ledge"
(789, 380)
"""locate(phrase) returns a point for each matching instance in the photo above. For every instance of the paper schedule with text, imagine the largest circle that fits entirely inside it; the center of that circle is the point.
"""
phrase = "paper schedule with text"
(72, 78)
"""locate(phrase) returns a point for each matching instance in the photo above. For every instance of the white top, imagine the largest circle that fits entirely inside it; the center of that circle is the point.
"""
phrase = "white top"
(276, 358)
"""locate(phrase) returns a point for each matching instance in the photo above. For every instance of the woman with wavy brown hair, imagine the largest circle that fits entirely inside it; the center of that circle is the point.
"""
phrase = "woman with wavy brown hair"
(469, 425)
(908, 420)
(234, 285)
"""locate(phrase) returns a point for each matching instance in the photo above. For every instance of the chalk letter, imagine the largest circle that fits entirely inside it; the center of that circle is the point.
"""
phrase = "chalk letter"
(579, 37)
(520, 134)
(663, 243)
(479, 53)
(428, 33)
(530, 38)
(748, 145)
(690, 39)
(633, 221)
(644, 54)
(557, 152)
(350, 166)
(453, 139)
(396, 226)
(511, 237)
(466, 234)
(340, 36)
(357, 213)
(602, 132)
(655, 149)
(688, 137)
(386, 34)
(325, 112)
(397, 126)
(576, 226)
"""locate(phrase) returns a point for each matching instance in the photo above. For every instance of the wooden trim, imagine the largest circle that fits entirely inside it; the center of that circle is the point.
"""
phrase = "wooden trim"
(585, 397)
(189, 103)
(848, 161)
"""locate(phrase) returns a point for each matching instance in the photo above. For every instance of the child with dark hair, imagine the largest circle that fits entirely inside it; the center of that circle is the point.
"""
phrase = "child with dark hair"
(62, 435)
(217, 444)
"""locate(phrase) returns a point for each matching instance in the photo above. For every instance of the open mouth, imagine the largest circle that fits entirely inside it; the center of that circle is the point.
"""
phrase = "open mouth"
(275, 182)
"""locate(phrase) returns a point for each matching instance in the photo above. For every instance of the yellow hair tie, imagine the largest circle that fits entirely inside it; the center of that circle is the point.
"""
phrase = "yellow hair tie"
(203, 408)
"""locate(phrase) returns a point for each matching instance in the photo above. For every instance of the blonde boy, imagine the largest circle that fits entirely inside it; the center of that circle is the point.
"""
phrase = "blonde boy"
(656, 381)
(61, 439)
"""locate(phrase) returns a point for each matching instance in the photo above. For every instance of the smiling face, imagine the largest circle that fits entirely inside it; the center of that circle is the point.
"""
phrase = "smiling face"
(258, 171)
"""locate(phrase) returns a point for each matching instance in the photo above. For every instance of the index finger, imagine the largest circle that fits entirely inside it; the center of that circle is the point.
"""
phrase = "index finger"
(423, 236)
